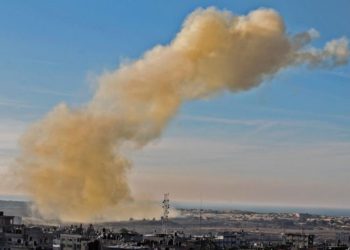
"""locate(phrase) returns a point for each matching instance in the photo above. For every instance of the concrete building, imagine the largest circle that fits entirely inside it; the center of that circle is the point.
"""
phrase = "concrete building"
(298, 241)
(231, 240)
(71, 242)
(77, 242)
(35, 237)
(14, 235)
(11, 234)
(343, 238)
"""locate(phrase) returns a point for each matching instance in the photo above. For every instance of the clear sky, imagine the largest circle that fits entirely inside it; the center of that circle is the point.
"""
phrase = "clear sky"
(285, 142)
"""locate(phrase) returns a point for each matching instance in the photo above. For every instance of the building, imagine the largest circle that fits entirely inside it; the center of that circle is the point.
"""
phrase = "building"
(15, 236)
(231, 240)
(298, 241)
(71, 242)
(11, 234)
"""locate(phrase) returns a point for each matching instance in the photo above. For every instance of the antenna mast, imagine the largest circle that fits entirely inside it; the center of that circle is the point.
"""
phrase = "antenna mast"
(200, 216)
(165, 206)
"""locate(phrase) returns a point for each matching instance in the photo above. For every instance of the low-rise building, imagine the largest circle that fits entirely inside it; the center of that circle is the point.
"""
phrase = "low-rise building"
(298, 241)
(231, 240)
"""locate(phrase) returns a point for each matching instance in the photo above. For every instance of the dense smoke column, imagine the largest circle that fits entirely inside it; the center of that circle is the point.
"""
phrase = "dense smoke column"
(71, 160)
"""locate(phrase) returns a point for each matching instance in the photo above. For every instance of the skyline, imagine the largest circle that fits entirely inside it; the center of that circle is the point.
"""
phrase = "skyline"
(287, 139)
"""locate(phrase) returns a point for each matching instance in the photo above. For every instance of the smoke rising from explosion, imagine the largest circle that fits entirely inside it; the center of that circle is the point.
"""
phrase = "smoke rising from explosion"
(71, 161)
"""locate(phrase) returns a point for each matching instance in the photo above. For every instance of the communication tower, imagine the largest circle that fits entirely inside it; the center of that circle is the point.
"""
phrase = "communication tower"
(166, 207)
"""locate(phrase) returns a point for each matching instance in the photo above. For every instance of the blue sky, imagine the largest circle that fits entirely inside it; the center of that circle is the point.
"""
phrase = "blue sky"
(285, 142)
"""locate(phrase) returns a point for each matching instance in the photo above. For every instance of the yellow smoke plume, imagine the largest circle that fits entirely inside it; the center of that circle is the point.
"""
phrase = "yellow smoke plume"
(71, 162)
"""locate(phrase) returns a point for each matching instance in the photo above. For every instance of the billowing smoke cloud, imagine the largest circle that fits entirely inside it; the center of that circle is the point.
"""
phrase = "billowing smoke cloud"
(71, 161)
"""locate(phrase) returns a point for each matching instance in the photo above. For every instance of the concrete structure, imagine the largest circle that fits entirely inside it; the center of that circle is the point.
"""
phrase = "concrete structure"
(231, 240)
(14, 235)
(298, 241)
(72, 242)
